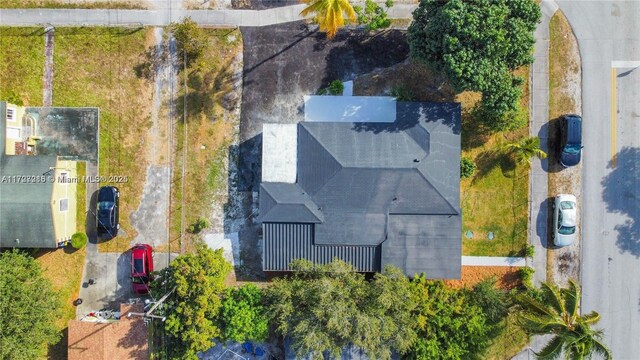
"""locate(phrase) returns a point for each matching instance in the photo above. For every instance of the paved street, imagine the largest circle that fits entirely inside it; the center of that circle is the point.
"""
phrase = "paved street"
(164, 16)
(609, 31)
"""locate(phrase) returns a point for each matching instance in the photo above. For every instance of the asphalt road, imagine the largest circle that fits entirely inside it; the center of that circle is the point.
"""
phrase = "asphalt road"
(608, 34)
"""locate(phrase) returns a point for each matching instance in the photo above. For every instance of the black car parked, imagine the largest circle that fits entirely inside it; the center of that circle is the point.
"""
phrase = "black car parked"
(571, 140)
(107, 212)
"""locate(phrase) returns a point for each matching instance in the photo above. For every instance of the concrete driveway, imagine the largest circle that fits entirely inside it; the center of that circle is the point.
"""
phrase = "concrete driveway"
(112, 283)
(608, 35)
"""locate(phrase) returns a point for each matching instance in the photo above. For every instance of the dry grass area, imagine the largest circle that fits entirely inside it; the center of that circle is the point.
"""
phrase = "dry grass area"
(64, 269)
(507, 277)
(95, 67)
(421, 83)
(212, 106)
(73, 4)
(564, 98)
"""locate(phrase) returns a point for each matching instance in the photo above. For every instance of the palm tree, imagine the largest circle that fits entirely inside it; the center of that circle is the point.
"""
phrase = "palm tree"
(557, 313)
(329, 14)
(525, 149)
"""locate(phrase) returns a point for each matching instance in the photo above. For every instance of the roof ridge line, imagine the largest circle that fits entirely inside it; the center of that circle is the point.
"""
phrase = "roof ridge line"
(456, 212)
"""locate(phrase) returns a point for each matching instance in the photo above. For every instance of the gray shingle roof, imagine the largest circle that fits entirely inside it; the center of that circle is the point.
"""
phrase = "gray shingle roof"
(393, 186)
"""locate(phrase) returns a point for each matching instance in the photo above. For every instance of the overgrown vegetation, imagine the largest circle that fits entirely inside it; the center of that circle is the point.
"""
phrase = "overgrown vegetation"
(402, 93)
(478, 45)
(243, 315)
(29, 307)
(526, 275)
(209, 101)
(198, 226)
(336, 88)
(373, 16)
(192, 41)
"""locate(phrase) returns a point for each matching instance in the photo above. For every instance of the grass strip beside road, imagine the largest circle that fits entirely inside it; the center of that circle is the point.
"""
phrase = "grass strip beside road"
(21, 65)
(95, 67)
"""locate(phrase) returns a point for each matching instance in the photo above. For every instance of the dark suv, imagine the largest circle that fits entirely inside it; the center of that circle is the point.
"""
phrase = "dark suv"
(107, 212)
(571, 140)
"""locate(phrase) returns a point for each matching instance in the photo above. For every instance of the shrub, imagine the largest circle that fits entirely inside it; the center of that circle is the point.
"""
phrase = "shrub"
(526, 275)
(528, 251)
(467, 167)
(199, 225)
(401, 93)
(79, 240)
(336, 87)
(373, 16)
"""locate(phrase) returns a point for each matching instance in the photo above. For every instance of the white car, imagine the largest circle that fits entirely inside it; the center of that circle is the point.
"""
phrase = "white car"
(565, 216)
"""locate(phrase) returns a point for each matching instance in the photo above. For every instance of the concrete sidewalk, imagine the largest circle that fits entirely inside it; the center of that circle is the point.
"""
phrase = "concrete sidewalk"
(538, 181)
(493, 261)
(163, 17)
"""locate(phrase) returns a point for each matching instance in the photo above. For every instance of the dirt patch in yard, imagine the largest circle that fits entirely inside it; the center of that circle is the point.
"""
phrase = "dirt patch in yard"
(74, 4)
(564, 98)
(506, 276)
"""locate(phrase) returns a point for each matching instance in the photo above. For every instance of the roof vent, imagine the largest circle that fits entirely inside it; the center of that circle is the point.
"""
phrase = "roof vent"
(416, 160)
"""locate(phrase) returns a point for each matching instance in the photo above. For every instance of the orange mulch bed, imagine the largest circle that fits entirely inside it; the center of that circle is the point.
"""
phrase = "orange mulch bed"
(506, 277)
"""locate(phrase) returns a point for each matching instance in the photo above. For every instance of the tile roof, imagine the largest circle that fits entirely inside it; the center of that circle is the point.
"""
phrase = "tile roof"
(123, 339)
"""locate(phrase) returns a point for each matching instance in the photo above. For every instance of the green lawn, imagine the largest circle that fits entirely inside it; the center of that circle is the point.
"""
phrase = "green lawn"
(95, 67)
(81, 199)
(496, 198)
(53, 4)
(21, 65)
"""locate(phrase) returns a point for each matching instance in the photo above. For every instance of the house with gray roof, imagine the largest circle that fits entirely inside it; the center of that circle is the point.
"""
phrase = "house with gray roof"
(37, 192)
(378, 185)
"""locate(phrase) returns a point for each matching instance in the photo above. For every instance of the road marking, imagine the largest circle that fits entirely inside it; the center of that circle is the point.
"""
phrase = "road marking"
(625, 64)
(614, 108)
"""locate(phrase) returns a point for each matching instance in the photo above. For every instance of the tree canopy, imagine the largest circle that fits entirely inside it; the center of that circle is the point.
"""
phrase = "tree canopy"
(28, 308)
(327, 307)
(193, 308)
(477, 44)
(191, 40)
(451, 323)
(243, 315)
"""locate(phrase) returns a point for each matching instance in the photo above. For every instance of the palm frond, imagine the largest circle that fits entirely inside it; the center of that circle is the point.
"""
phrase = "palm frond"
(553, 296)
(552, 350)
(590, 318)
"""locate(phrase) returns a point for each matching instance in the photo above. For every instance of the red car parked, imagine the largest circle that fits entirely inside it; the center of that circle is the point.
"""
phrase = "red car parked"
(141, 268)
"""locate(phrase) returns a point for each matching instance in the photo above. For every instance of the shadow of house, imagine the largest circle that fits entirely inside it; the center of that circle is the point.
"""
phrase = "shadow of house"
(621, 193)
(126, 338)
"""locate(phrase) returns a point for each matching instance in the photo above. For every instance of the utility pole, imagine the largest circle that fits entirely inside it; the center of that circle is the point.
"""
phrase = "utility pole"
(149, 313)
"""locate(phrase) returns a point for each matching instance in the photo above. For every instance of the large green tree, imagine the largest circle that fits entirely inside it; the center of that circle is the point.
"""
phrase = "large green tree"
(327, 307)
(193, 308)
(450, 322)
(477, 44)
(243, 315)
(556, 312)
(28, 308)
(191, 40)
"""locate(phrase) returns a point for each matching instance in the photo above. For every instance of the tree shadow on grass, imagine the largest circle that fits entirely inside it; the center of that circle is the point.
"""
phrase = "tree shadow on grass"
(488, 160)
(59, 349)
(210, 88)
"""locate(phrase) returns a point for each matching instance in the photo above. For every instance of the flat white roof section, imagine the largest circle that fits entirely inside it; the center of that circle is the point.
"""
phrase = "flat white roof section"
(326, 108)
(348, 88)
(279, 153)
